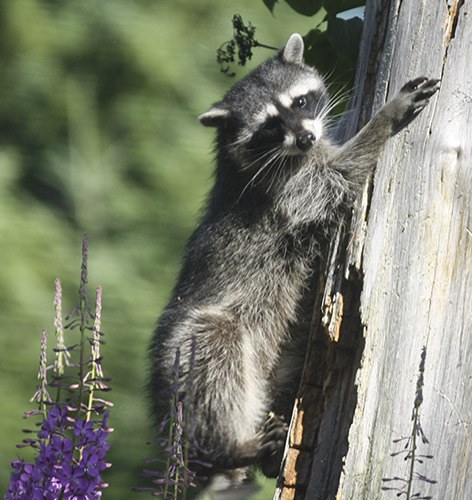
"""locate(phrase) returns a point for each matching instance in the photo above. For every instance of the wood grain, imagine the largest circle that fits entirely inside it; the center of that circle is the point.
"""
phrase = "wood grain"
(401, 280)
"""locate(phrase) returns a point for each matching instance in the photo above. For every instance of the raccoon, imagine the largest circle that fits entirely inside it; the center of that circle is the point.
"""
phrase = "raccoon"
(245, 292)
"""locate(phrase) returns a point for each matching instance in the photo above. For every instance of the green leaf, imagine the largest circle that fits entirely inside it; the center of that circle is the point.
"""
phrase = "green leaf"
(319, 52)
(270, 4)
(305, 7)
(344, 36)
(336, 6)
(333, 52)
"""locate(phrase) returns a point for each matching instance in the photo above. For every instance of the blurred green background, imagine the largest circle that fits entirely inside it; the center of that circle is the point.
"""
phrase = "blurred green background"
(98, 134)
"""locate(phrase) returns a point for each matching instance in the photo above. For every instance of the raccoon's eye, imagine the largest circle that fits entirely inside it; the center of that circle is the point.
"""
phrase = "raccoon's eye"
(300, 102)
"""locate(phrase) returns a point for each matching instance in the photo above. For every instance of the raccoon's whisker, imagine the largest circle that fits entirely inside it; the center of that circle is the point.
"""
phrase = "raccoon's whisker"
(261, 157)
(331, 122)
(278, 161)
(264, 169)
(239, 141)
(329, 107)
(338, 98)
(282, 161)
(326, 76)
(344, 90)
(253, 178)
(265, 156)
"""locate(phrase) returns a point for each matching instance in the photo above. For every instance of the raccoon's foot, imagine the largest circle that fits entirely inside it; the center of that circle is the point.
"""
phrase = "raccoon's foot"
(413, 97)
(273, 442)
(265, 450)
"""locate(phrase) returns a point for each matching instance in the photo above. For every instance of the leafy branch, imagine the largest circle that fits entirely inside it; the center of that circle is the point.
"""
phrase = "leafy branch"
(242, 43)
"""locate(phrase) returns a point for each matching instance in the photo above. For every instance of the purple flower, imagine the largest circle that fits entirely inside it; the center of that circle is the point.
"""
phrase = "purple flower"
(55, 422)
(56, 472)
(84, 431)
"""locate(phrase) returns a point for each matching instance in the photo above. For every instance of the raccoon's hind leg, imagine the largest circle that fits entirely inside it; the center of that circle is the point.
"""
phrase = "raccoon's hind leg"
(230, 389)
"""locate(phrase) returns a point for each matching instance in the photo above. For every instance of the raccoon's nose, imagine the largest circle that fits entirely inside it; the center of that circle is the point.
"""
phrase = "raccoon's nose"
(305, 140)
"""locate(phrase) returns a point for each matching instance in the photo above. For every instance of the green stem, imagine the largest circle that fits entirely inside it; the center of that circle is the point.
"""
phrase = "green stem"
(263, 45)
(90, 397)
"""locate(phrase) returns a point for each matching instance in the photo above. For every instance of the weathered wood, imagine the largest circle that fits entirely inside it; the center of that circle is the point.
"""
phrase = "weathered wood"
(414, 288)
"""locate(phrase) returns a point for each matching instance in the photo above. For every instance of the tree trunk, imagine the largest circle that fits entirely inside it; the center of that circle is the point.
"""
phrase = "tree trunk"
(396, 284)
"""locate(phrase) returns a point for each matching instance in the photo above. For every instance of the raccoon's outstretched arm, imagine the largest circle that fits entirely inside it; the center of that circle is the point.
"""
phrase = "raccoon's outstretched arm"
(358, 156)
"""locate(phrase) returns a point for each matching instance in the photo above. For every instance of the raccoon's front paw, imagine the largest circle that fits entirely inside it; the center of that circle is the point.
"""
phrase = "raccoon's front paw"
(418, 92)
(413, 97)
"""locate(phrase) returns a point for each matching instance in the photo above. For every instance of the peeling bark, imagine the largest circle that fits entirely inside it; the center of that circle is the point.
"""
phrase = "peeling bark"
(401, 280)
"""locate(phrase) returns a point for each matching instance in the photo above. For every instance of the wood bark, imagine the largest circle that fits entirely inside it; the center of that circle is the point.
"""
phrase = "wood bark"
(400, 280)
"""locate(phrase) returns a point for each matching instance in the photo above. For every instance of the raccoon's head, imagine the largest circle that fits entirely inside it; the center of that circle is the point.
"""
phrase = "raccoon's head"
(273, 115)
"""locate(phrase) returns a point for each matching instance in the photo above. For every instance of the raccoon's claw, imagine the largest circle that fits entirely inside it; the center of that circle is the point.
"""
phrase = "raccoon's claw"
(276, 425)
(273, 442)
(273, 434)
(412, 85)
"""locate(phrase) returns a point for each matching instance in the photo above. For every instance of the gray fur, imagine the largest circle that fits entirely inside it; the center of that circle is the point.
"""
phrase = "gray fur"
(251, 267)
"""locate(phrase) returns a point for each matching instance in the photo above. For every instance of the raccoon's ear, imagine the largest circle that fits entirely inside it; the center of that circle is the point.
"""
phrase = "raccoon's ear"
(215, 116)
(293, 50)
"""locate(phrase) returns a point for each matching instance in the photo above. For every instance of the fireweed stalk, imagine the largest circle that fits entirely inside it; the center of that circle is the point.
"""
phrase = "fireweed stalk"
(178, 429)
(72, 442)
